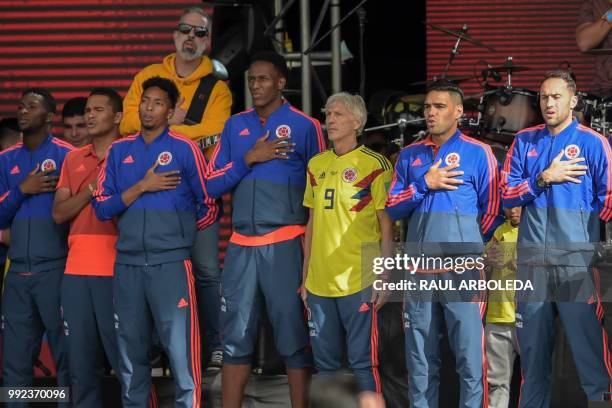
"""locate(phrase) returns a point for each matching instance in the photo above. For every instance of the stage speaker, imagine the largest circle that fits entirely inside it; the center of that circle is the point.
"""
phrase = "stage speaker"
(237, 34)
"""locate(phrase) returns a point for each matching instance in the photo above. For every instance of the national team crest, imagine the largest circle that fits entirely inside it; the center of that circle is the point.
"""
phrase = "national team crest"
(452, 158)
(572, 151)
(164, 158)
(48, 165)
(283, 131)
(349, 175)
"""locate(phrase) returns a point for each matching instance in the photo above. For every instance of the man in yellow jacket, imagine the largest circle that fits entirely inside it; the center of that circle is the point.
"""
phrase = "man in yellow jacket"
(190, 69)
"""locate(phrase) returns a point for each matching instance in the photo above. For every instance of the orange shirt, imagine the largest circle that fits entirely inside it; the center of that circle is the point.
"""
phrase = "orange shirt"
(91, 243)
(430, 143)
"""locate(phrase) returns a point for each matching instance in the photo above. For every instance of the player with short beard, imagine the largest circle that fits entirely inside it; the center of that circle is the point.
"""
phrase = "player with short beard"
(559, 172)
(30, 303)
(447, 187)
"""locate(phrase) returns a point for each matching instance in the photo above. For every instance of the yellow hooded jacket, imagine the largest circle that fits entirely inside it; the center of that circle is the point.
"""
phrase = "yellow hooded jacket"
(217, 110)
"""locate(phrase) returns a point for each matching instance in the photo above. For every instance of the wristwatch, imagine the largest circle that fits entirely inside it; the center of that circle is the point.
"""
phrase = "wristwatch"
(540, 182)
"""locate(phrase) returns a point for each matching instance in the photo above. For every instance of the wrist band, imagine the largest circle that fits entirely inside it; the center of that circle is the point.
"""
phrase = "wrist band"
(607, 16)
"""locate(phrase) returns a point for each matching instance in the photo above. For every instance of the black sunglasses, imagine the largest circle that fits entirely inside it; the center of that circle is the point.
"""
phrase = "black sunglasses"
(185, 28)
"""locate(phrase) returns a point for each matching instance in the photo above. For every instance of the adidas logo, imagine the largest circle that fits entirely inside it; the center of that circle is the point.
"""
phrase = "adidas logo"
(417, 162)
(15, 170)
(364, 308)
(244, 132)
(81, 168)
(322, 176)
(182, 303)
(128, 160)
(532, 153)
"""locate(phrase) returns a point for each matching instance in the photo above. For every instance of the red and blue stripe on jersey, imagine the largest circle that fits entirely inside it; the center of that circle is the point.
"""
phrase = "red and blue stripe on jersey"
(267, 195)
(570, 207)
(37, 243)
(161, 221)
(464, 215)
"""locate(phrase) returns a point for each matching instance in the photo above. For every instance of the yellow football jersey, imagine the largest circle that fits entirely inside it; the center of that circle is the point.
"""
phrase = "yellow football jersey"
(501, 305)
(345, 192)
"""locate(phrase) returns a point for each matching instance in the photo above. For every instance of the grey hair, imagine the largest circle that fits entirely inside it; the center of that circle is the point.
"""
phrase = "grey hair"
(197, 10)
(354, 104)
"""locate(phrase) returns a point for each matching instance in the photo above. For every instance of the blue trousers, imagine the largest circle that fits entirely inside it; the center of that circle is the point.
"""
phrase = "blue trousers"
(349, 322)
(582, 319)
(31, 306)
(87, 304)
(424, 317)
(160, 296)
(264, 276)
(205, 259)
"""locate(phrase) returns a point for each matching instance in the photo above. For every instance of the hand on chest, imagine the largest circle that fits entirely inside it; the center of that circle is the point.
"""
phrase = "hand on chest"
(25, 163)
(539, 156)
(246, 134)
(420, 163)
(136, 162)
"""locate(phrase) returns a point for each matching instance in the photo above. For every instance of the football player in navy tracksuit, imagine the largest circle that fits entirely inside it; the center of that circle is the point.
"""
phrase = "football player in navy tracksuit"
(153, 182)
(28, 174)
(447, 185)
(560, 173)
(263, 264)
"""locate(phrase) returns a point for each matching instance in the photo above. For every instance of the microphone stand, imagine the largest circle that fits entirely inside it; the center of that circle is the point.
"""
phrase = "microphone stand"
(401, 123)
(454, 51)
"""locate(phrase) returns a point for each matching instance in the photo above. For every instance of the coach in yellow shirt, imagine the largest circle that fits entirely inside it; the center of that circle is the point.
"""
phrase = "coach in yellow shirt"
(346, 191)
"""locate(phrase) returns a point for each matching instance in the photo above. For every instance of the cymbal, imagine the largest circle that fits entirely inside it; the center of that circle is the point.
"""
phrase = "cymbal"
(510, 67)
(600, 51)
(450, 78)
(461, 35)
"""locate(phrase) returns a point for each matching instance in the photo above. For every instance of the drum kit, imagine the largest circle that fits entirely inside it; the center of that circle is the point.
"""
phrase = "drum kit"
(495, 114)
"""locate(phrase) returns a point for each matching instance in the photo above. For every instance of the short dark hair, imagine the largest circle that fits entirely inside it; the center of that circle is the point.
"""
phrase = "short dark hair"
(74, 107)
(48, 99)
(115, 99)
(564, 75)
(165, 85)
(274, 58)
(445, 85)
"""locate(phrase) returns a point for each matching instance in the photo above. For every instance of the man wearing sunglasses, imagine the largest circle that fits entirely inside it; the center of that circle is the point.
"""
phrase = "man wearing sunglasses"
(192, 72)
